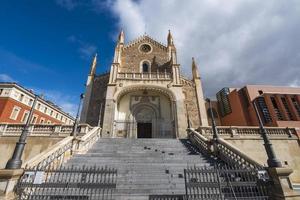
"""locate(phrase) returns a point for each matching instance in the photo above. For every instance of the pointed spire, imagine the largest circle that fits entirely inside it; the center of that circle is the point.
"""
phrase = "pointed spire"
(195, 71)
(121, 37)
(170, 39)
(93, 65)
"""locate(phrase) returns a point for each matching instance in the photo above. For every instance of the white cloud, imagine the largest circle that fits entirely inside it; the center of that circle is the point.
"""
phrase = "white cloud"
(68, 4)
(235, 42)
(66, 102)
(85, 50)
(6, 78)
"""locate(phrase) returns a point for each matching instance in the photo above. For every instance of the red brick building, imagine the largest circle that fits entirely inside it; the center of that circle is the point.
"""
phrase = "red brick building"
(278, 106)
(16, 102)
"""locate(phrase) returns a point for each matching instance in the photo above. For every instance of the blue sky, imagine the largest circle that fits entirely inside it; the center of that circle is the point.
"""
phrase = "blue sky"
(48, 45)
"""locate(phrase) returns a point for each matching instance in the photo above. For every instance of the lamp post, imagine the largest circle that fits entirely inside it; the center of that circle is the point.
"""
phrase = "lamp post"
(272, 159)
(74, 131)
(16, 160)
(188, 117)
(213, 123)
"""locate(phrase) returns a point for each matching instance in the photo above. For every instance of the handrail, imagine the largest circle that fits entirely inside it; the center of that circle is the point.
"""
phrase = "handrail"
(46, 158)
(54, 156)
(223, 150)
(201, 141)
(233, 155)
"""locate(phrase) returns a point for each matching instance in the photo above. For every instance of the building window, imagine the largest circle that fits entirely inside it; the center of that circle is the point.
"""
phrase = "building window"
(51, 113)
(1, 90)
(56, 116)
(296, 105)
(21, 97)
(33, 120)
(145, 48)
(145, 67)
(30, 102)
(276, 109)
(25, 116)
(287, 109)
(243, 94)
(48, 122)
(15, 112)
(262, 106)
(223, 102)
(213, 111)
(45, 110)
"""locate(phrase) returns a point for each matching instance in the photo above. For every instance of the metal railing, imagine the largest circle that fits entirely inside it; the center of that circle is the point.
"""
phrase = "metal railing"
(225, 183)
(67, 183)
(56, 155)
(42, 129)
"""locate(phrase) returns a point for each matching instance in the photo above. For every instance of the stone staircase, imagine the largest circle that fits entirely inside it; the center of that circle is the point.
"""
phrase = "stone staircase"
(145, 166)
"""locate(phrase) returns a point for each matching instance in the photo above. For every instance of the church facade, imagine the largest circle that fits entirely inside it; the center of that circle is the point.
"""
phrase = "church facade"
(144, 95)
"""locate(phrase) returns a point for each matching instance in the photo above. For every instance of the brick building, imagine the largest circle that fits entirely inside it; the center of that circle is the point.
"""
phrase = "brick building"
(16, 102)
(278, 106)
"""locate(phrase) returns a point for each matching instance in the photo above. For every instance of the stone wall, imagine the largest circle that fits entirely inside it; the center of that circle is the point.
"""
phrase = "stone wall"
(131, 57)
(97, 99)
(34, 146)
(191, 102)
(287, 151)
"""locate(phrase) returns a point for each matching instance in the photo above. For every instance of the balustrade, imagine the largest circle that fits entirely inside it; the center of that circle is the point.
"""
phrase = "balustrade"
(223, 150)
(42, 129)
(234, 131)
(54, 157)
(144, 76)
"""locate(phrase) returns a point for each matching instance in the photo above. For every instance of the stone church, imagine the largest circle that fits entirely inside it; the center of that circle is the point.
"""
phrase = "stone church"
(144, 95)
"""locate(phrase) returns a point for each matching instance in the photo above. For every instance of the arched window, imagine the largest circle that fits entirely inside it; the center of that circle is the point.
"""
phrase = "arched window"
(145, 67)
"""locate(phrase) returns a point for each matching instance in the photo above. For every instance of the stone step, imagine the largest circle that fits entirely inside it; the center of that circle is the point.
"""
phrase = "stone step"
(145, 166)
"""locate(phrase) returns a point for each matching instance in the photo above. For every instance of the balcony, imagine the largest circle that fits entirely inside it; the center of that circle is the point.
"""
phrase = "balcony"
(144, 76)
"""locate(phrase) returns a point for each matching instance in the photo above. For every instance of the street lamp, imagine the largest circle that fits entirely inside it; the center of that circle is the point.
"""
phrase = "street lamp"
(16, 160)
(272, 160)
(74, 131)
(213, 123)
(188, 117)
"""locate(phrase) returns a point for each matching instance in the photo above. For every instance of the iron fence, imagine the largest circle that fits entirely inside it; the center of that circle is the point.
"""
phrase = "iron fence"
(68, 183)
(167, 197)
(226, 183)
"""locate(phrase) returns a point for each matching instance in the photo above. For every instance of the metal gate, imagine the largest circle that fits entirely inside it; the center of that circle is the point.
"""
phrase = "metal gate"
(226, 183)
(68, 183)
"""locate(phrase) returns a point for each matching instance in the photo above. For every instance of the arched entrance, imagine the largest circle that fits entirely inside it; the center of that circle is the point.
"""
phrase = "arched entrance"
(145, 117)
(144, 113)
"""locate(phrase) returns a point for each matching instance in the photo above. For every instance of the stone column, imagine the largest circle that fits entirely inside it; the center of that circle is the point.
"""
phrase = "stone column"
(109, 112)
(8, 180)
(181, 119)
(108, 120)
(282, 186)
